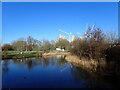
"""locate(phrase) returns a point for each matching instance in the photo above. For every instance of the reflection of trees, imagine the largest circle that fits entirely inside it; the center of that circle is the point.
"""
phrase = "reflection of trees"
(58, 60)
(90, 81)
(79, 73)
(30, 62)
(5, 65)
(46, 62)
(82, 76)
(33, 62)
(53, 61)
(61, 60)
(113, 67)
(19, 62)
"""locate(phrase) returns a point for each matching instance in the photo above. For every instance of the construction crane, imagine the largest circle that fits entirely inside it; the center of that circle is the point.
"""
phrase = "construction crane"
(93, 26)
(80, 34)
(69, 34)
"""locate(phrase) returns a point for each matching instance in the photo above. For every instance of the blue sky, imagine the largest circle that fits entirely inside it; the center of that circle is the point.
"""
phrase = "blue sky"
(44, 19)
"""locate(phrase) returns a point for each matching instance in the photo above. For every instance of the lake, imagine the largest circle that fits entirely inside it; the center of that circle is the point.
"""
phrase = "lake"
(46, 72)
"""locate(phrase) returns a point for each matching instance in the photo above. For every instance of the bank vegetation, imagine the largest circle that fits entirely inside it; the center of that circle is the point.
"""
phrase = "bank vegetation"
(96, 52)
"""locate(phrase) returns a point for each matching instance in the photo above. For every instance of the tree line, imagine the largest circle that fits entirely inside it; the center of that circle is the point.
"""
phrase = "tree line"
(32, 44)
(94, 44)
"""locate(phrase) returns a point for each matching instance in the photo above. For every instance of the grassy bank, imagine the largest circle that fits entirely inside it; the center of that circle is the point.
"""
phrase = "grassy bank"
(90, 65)
(102, 68)
(109, 72)
(27, 54)
(18, 54)
(56, 53)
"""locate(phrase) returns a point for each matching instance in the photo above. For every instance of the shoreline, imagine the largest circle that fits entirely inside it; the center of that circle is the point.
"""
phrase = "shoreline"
(20, 56)
(89, 65)
(58, 53)
(99, 70)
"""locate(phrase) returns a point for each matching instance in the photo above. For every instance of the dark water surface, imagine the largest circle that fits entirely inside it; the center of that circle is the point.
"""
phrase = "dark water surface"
(53, 72)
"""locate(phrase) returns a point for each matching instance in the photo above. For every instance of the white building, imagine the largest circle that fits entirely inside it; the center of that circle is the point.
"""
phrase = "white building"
(81, 38)
(62, 37)
(59, 49)
(73, 37)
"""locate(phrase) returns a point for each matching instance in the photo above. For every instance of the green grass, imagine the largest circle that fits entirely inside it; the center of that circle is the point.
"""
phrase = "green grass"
(23, 53)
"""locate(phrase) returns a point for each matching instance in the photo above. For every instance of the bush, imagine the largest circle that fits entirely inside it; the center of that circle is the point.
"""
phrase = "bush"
(92, 45)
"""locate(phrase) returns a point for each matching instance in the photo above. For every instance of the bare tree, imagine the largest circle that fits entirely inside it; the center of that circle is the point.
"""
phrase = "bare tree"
(92, 45)
(32, 44)
(63, 44)
(112, 38)
(19, 45)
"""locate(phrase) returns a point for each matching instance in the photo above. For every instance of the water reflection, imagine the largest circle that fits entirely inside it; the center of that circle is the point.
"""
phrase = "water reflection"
(44, 62)
(86, 78)
(45, 71)
(5, 67)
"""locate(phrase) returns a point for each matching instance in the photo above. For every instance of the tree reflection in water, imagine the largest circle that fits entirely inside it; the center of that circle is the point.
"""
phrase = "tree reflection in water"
(90, 81)
(61, 60)
(50, 68)
(44, 62)
(5, 65)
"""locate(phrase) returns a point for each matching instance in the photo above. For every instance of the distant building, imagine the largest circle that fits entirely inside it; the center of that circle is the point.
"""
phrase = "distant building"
(73, 38)
(80, 38)
(62, 37)
(59, 49)
(55, 41)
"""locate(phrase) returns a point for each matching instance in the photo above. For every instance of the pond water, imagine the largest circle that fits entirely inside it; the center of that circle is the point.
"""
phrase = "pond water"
(49, 72)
